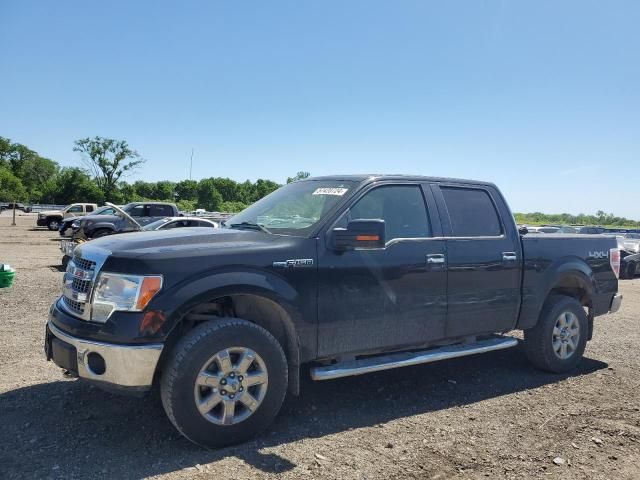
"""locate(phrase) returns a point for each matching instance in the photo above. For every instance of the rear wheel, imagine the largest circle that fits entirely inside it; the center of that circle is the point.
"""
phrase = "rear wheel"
(224, 382)
(557, 342)
(53, 224)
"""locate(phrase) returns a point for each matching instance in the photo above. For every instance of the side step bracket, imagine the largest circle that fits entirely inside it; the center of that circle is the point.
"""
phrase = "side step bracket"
(405, 359)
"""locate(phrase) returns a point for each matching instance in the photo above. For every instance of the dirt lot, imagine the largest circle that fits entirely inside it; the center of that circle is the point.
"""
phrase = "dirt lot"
(486, 416)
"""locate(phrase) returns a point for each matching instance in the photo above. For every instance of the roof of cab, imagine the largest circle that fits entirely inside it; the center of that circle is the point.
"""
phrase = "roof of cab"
(380, 177)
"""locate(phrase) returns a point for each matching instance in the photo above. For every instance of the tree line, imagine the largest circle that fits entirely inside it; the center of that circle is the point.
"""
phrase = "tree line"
(600, 218)
(28, 177)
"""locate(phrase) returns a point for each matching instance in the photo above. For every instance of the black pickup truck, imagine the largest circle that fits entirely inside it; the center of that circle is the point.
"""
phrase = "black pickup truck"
(349, 274)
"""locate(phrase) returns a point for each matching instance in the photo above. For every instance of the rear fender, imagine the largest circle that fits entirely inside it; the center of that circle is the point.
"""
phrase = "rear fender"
(569, 275)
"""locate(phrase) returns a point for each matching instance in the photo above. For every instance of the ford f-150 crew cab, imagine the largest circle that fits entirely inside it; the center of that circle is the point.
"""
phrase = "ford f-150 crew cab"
(348, 274)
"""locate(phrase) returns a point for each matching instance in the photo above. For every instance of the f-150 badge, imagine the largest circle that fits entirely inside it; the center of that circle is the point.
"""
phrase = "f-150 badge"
(294, 262)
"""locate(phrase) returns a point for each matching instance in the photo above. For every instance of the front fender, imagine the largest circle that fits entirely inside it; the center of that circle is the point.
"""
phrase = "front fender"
(97, 226)
(181, 298)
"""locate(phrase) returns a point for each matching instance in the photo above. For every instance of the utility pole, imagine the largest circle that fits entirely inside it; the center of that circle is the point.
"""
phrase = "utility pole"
(191, 164)
(13, 224)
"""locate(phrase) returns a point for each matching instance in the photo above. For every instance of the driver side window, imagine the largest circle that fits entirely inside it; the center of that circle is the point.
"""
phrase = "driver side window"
(402, 208)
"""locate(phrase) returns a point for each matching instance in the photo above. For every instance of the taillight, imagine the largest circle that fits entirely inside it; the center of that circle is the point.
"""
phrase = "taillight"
(614, 260)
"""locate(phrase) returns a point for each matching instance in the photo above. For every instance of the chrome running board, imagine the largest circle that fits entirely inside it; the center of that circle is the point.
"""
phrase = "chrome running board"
(405, 359)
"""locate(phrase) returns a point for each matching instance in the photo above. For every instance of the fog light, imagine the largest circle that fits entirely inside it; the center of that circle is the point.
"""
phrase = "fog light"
(96, 363)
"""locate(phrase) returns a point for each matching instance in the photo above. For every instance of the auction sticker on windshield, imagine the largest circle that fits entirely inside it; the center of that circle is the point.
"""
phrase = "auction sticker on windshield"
(331, 191)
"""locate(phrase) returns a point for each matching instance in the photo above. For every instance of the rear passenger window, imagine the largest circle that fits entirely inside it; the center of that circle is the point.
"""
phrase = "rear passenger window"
(89, 208)
(137, 211)
(472, 212)
(161, 211)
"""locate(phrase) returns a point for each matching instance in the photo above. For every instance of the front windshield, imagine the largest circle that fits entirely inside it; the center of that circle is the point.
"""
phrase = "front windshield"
(104, 211)
(294, 209)
(156, 224)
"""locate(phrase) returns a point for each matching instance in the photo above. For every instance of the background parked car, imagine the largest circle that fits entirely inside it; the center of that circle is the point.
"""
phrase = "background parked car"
(629, 242)
(589, 230)
(543, 229)
(129, 218)
(179, 222)
(629, 265)
(19, 206)
(52, 218)
(65, 224)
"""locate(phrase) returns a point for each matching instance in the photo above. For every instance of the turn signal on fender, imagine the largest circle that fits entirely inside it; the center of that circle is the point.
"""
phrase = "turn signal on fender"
(150, 286)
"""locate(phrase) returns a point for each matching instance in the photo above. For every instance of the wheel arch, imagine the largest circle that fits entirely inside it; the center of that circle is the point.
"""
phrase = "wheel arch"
(570, 277)
(251, 296)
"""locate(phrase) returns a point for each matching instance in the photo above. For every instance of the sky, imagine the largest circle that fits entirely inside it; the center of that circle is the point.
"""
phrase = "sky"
(541, 97)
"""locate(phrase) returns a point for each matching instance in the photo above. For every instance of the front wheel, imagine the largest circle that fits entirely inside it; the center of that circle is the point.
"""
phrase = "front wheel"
(224, 382)
(558, 340)
(53, 224)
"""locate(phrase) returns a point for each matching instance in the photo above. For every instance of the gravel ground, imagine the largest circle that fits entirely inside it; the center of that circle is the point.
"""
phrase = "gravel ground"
(490, 415)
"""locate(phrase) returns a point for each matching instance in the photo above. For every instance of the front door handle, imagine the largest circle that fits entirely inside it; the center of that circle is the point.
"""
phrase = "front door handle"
(435, 258)
(509, 256)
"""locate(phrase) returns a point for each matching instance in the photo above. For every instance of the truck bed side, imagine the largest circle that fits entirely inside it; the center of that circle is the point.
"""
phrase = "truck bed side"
(577, 265)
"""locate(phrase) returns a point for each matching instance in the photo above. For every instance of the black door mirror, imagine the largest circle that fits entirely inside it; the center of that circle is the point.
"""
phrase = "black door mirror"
(359, 234)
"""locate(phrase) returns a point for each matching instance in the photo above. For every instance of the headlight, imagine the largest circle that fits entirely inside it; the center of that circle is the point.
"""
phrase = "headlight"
(128, 293)
(75, 225)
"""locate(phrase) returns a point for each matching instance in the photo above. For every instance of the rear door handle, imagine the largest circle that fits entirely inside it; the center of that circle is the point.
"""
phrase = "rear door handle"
(435, 258)
(509, 256)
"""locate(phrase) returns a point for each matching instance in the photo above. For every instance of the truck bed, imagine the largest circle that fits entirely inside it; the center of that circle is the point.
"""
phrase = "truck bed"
(549, 257)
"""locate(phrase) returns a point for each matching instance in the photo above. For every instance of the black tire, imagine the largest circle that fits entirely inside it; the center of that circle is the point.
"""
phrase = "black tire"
(630, 270)
(539, 340)
(187, 358)
(53, 224)
(101, 232)
(65, 261)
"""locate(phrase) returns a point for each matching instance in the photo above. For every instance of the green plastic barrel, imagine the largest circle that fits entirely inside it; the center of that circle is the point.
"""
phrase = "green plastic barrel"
(6, 279)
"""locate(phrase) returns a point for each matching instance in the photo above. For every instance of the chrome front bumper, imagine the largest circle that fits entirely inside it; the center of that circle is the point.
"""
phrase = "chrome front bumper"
(126, 365)
(615, 303)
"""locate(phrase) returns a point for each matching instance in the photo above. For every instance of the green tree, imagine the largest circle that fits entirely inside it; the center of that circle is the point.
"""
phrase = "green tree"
(32, 169)
(11, 188)
(209, 197)
(263, 188)
(187, 190)
(75, 185)
(298, 176)
(232, 207)
(164, 190)
(108, 160)
(186, 205)
(144, 189)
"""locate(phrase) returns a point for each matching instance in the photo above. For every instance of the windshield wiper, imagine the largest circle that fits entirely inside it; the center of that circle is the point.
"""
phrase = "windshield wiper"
(249, 225)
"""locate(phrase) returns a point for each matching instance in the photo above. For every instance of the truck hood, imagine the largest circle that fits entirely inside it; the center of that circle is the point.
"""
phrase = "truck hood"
(191, 242)
(47, 213)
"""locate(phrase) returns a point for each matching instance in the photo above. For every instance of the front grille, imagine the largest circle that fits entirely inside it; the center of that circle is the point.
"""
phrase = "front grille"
(82, 286)
(74, 306)
(83, 264)
(78, 285)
